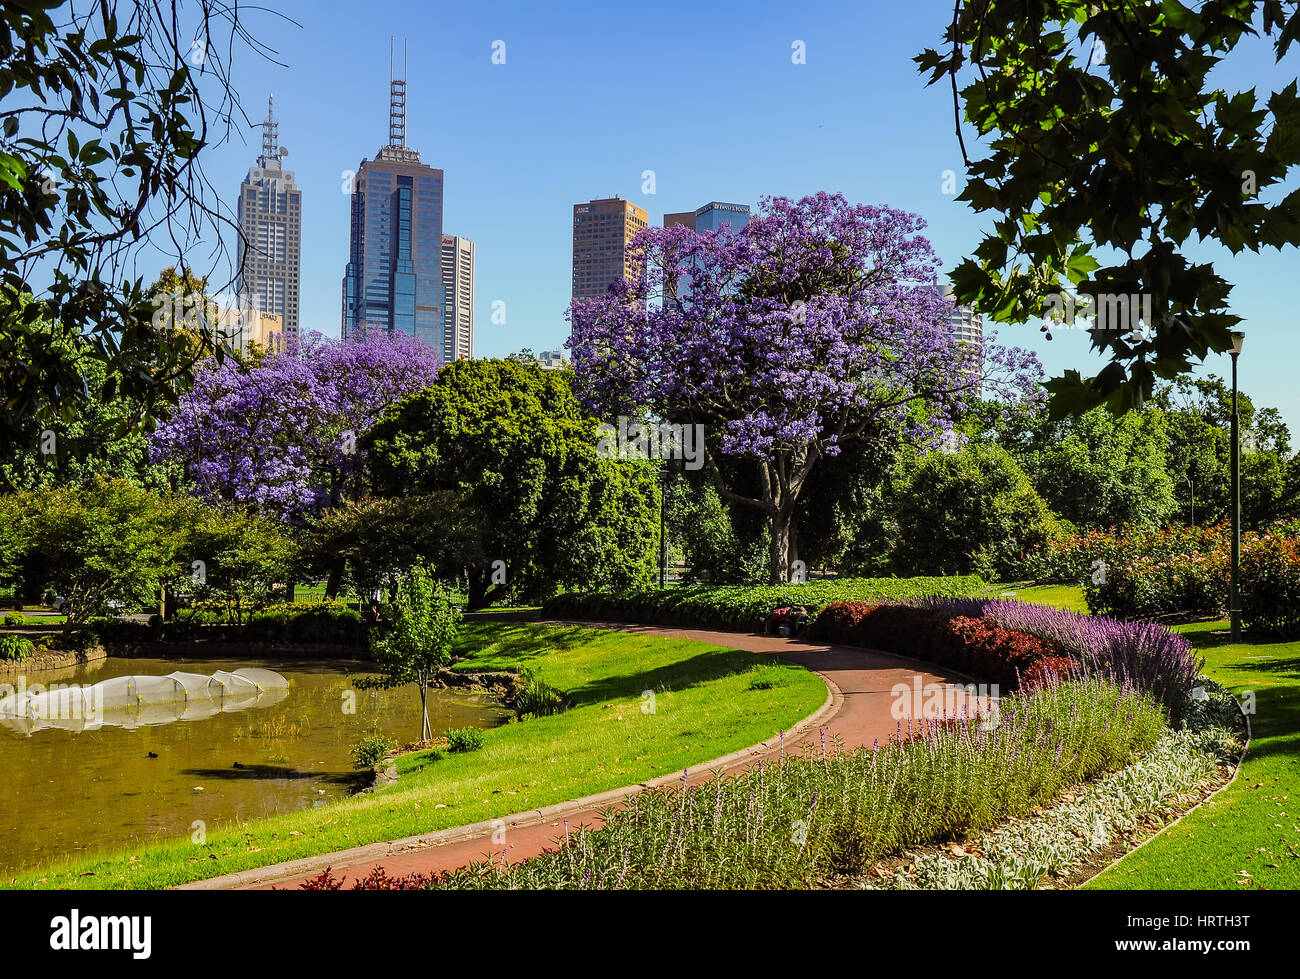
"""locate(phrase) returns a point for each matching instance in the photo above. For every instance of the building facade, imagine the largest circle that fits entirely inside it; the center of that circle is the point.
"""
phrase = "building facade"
(458, 301)
(967, 327)
(393, 281)
(603, 230)
(270, 232)
(713, 216)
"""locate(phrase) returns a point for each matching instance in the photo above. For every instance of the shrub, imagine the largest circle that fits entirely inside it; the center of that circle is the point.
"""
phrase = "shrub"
(463, 739)
(936, 784)
(969, 512)
(976, 645)
(370, 751)
(742, 607)
(1144, 654)
(307, 622)
(15, 648)
(15, 618)
(1048, 671)
(1270, 585)
(536, 698)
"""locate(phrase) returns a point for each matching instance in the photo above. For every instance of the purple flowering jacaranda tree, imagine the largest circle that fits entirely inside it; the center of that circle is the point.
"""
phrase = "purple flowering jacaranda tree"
(788, 338)
(283, 436)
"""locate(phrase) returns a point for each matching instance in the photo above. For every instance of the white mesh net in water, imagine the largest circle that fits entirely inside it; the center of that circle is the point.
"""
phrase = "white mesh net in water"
(137, 701)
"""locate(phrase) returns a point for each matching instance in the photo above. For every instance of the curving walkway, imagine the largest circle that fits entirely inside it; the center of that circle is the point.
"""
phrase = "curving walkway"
(857, 710)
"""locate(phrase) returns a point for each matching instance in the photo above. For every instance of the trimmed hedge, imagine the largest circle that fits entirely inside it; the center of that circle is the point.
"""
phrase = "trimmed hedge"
(740, 607)
(976, 646)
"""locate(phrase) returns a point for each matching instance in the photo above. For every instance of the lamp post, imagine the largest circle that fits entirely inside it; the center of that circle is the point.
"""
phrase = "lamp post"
(1234, 598)
(663, 537)
(1191, 489)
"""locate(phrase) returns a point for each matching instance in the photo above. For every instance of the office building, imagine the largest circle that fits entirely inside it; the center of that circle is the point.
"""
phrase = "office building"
(270, 231)
(713, 216)
(967, 326)
(603, 230)
(394, 277)
(458, 301)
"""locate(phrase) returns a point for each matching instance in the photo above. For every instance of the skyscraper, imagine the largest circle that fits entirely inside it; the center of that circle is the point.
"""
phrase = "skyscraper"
(458, 282)
(270, 232)
(967, 327)
(394, 277)
(603, 229)
(713, 216)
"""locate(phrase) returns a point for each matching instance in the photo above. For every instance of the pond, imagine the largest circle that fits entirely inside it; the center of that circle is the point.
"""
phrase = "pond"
(67, 794)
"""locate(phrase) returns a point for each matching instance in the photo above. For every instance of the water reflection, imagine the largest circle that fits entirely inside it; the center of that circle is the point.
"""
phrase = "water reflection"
(69, 792)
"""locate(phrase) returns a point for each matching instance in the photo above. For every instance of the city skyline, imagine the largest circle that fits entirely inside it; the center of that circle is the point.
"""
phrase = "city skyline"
(504, 128)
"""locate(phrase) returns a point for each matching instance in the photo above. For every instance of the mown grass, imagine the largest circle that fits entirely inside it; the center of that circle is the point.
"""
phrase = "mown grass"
(642, 706)
(1247, 836)
(1061, 596)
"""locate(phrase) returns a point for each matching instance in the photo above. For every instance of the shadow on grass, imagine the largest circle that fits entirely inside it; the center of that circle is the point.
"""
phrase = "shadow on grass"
(699, 669)
(492, 639)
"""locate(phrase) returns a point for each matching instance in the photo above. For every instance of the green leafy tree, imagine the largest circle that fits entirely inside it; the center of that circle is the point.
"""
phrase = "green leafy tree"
(1108, 135)
(536, 508)
(108, 105)
(233, 558)
(1100, 470)
(99, 547)
(973, 511)
(418, 640)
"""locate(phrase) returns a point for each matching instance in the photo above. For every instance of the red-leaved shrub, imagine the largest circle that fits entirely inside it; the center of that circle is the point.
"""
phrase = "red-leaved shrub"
(977, 646)
(1046, 672)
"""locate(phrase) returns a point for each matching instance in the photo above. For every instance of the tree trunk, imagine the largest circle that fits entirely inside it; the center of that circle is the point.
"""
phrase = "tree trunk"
(335, 581)
(426, 730)
(779, 551)
(478, 589)
(792, 549)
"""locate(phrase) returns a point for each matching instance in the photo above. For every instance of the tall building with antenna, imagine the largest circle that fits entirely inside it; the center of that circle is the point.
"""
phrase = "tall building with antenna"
(394, 278)
(270, 232)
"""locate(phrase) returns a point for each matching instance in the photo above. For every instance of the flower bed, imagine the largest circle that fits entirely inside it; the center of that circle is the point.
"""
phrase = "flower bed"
(806, 820)
(1133, 573)
(743, 607)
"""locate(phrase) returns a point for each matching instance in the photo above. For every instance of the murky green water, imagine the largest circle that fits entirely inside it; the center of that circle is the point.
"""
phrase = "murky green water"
(65, 794)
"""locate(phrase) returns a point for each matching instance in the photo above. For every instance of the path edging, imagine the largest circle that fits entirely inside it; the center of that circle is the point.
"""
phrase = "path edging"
(306, 866)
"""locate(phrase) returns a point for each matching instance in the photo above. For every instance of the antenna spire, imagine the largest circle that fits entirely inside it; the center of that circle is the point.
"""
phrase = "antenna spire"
(396, 100)
(270, 133)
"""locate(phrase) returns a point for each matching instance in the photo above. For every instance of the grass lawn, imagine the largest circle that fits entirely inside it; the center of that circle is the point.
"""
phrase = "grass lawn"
(1247, 836)
(1062, 596)
(703, 708)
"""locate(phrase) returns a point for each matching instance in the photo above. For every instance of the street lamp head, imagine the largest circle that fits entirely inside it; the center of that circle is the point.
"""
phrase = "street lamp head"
(1238, 338)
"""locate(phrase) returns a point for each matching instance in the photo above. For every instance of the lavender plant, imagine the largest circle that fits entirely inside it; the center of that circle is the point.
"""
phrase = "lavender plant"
(1145, 654)
(796, 821)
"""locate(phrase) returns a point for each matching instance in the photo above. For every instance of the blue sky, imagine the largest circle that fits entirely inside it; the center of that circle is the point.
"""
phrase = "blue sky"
(591, 95)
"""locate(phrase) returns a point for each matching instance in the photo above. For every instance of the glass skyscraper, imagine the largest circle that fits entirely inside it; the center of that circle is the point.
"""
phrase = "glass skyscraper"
(394, 278)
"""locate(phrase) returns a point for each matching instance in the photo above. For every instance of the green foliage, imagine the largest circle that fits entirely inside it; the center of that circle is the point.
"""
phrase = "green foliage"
(1270, 584)
(534, 697)
(416, 642)
(799, 822)
(1065, 96)
(236, 560)
(969, 512)
(370, 751)
(15, 618)
(105, 544)
(515, 462)
(1103, 470)
(107, 110)
(464, 739)
(15, 648)
(745, 607)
